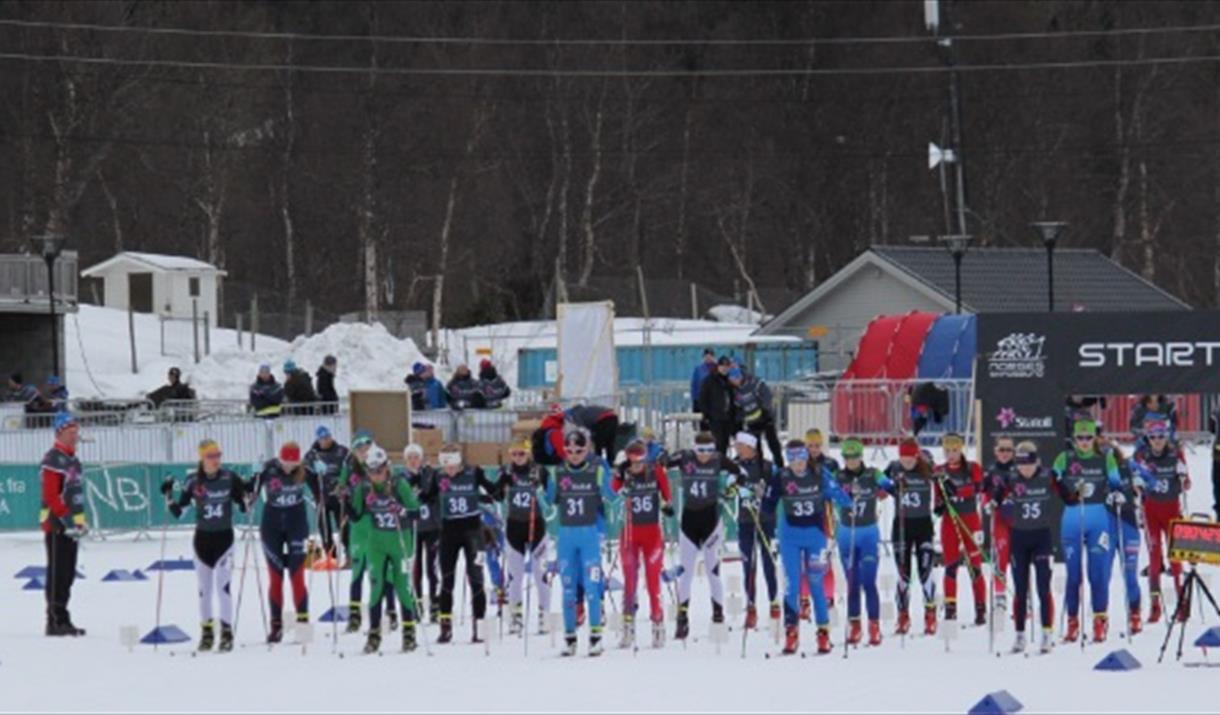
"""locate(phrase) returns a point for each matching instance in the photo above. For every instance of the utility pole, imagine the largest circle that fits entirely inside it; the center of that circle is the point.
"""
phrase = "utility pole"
(954, 110)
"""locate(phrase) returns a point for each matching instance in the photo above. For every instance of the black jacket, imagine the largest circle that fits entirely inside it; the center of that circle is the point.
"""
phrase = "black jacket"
(493, 388)
(176, 391)
(299, 388)
(716, 399)
(326, 386)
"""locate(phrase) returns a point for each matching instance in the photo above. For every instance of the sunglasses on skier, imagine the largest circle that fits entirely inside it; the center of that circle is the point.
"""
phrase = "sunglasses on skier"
(1158, 437)
(1004, 450)
(705, 449)
(211, 456)
(1084, 438)
(518, 453)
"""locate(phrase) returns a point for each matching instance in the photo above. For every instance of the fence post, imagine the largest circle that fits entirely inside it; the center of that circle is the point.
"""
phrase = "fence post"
(131, 332)
(253, 320)
(207, 332)
(161, 321)
(239, 316)
(694, 301)
(195, 327)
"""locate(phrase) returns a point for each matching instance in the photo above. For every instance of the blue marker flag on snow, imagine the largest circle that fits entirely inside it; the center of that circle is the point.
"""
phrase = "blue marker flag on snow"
(39, 572)
(34, 584)
(124, 576)
(1209, 639)
(1119, 660)
(1001, 702)
(338, 613)
(179, 564)
(165, 634)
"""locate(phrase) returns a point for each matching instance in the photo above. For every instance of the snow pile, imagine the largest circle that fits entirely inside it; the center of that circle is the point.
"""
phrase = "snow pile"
(736, 314)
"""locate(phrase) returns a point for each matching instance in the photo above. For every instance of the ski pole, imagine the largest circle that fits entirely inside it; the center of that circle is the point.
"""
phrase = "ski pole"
(1083, 571)
(904, 568)
(528, 570)
(160, 572)
(1122, 561)
(329, 536)
(851, 567)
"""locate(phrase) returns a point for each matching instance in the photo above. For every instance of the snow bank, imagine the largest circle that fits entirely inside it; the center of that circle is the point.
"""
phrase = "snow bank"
(736, 314)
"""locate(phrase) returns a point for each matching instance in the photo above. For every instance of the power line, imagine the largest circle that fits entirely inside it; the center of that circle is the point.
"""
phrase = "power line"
(602, 42)
(610, 73)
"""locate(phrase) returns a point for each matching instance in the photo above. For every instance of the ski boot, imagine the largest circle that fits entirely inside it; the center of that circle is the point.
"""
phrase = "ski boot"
(408, 637)
(776, 613)
(658, 634)
(208, 638)
(1018, 645)
(904, 623)
(226, 638)
(595, 641)
(516, 623)
(751, 617)
(824, 645)
(66, 628)
(717, 613)
(1101, 625)
(792, 639)
(683, 629)
(950, 610)
(569, 645)
(1155, 610)
(929, 621)
(353, 619)
(874, 632)
(853, 632)
(474, 631)
(980, 615)
(1073, 630)
(627, 639)
(391, 620)
(373, 644)
(1048, 641)
(1133, 622)
(276, 634)
(807, 608)
(446, 635)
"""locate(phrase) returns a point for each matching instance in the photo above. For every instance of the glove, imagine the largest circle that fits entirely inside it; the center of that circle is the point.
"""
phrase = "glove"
(988, 507)
(1116, 499)
(175, 510)
(668, 510)
(1139, 483)
(1186, 484)
(167, 486)
(319, 467)
(77, 531)
(938, 510)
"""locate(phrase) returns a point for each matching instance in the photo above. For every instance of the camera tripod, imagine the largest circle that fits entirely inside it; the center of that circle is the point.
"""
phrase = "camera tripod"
(1182, 612)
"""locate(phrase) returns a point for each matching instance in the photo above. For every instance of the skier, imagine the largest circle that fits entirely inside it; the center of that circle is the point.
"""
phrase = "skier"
(213, 490)
(1163, 467)
(912, 533)
(802, 490)
(993, 485)
(858, 538)
(1125, 517)
(387, 501)
(1087, 480)
(644, 487)
(958, 481)
(703, 482)
(815, 443)
(461, 489)
(327, 458)
(755, 528)
(525, 532)
(1025, 506)
(353, 474)
(578, 491)
(62, 518)
(427, 530)
(284, 530)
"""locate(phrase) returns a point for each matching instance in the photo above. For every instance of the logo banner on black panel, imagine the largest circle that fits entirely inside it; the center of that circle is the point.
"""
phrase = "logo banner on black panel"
(1017, 393)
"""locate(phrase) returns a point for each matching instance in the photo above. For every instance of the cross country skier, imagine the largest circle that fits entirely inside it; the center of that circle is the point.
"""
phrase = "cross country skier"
(461, 489)
(703, 481)
(327, 458)
(958, 482)
(644, 486)
(1163, 466)
(284, 482)
(993, 486)
(815, 443)
(578, 490)
(801, 491)
(912, 533)
(427, 522)
(755, 528)
(353, 474)
(1087, 480)
(858, 538)
(1126, 545)
(386, 501)
(213, 490)
(525, 532)
(1025, 507)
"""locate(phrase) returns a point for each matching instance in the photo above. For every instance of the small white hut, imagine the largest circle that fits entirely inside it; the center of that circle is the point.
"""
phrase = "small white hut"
(171, 286)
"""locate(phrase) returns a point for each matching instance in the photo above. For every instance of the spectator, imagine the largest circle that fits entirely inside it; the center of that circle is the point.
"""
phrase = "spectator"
(18, 391)
(326, 385)
(929, 405)
(716, 403)
(602, 425)
(463, 389)
(63, 523)
(755, 407)
(173, 389)
(706, 367)
(298, 388)
(56, 393)
(492, 387)
(427, 392)
(266, 395)
(1154, 408)
(1082, 407)
(547, 440)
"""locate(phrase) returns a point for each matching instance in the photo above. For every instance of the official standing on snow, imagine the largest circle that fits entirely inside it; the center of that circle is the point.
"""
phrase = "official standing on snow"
(62, 518)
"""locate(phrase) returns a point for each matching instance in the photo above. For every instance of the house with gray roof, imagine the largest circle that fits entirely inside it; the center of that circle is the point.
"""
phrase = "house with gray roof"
(887, 280)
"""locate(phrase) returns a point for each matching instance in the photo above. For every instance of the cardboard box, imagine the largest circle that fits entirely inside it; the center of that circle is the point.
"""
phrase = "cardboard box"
(482, 454)
(384, 413)
(431, 439)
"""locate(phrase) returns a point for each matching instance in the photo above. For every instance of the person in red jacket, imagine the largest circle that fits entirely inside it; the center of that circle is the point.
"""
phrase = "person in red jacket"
(645, 489)
(958, 483)
(62, 518)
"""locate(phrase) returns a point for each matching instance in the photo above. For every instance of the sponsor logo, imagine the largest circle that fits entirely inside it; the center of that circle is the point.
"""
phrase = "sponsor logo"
(1008, 419)
(1018, 355)
(1150, 354)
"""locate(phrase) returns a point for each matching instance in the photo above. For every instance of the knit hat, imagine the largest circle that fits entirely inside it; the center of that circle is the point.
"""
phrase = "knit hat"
(813, 435)
(1084, 428)
(484, 364)
(208, 446)
(747, 439)
(908, 448)
(290, 453)
(952, 440)
(63, 420)
(853, 448)
(736, 373)
(362, 438)
(290, 366)
(1156, 428)
(323, 432)
(418, 369)
(636, 448)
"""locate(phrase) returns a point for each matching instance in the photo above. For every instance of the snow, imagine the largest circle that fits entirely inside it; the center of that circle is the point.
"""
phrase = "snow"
(158, 260)
(736, 314)
(97, 673)
(99, 358)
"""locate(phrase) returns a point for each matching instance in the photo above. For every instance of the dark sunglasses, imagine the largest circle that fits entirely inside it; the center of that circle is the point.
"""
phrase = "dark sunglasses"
(1084, 438)
(1004, 450)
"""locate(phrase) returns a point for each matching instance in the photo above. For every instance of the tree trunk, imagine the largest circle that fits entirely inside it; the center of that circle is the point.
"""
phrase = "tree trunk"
(113, 203)
(683, 180)
(561, 255)
(590, 246)
(285, 188)
(1124, 171)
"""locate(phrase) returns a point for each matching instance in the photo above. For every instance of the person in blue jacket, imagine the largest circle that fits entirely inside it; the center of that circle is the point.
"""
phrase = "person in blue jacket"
(799, 492)
(578, 492)
(427, 392)
(1124, 525)
(1088, 482)
(858, 538)
(702, 370)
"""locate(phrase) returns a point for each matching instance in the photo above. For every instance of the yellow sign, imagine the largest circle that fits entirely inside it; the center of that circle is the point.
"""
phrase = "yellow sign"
(818, 331)
(485, 352)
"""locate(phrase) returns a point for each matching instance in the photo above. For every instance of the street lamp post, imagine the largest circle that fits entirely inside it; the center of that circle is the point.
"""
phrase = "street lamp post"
(50, 247)
(1049, 231)
(957, 248)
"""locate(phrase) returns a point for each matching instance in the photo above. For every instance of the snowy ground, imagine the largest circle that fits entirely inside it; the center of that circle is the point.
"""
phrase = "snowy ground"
(98, 674)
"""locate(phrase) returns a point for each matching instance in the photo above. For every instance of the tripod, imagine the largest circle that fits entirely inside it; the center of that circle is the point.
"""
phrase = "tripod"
(1182, 612)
